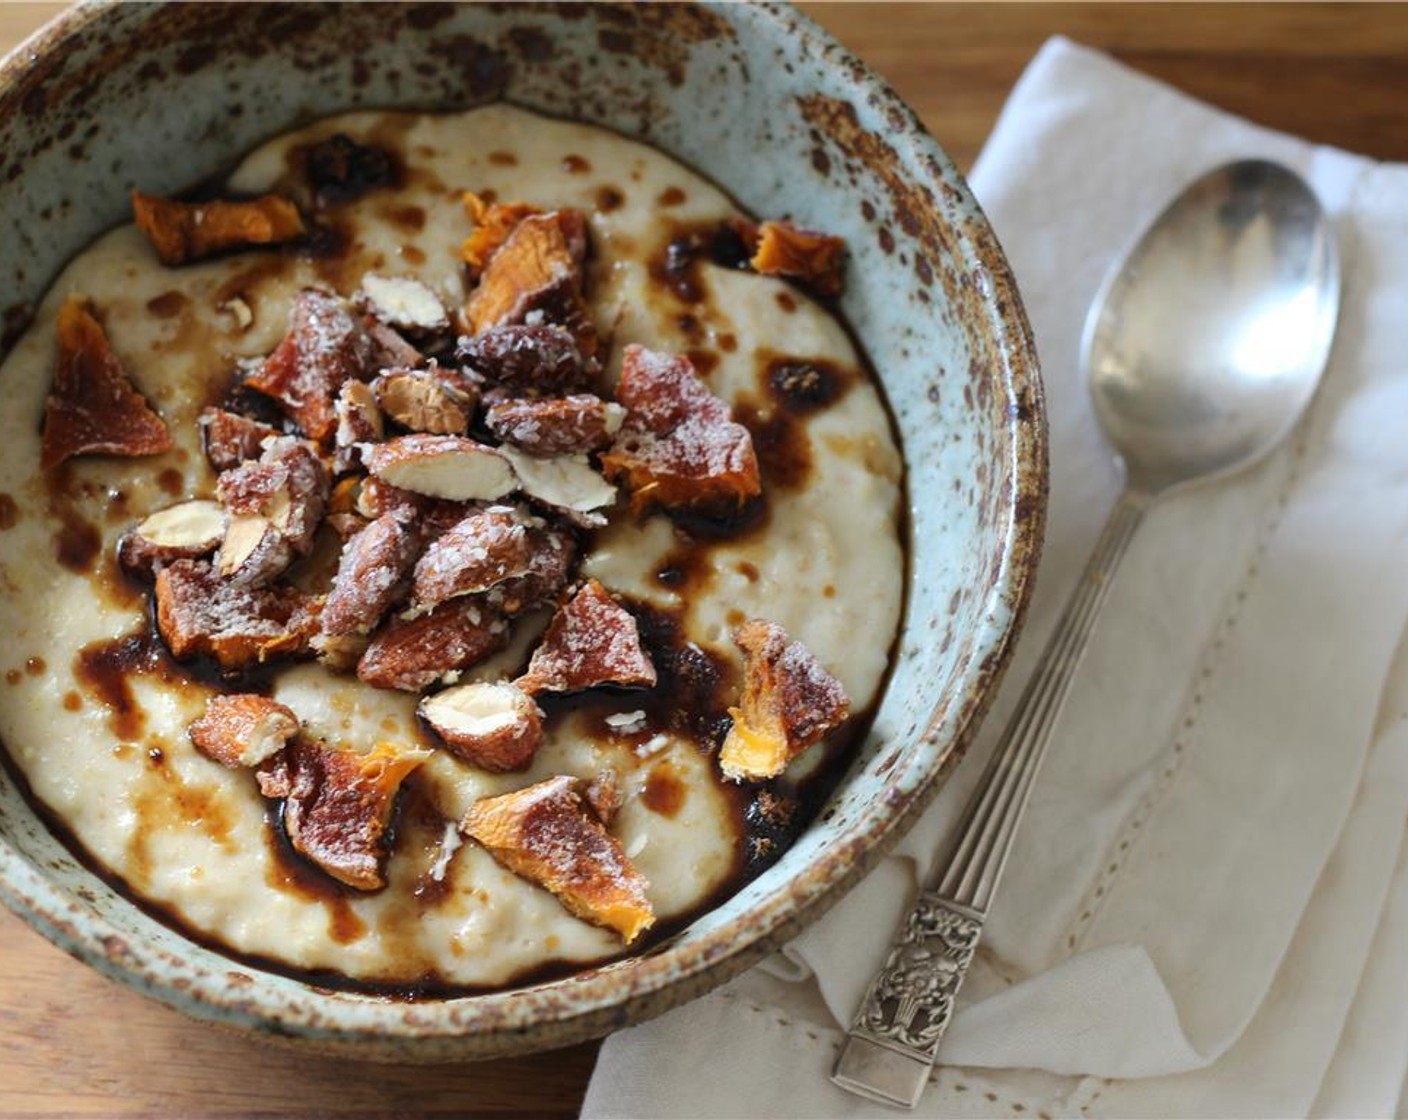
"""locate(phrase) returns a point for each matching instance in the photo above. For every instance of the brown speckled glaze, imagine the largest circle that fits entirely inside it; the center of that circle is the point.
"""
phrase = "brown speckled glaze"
(756, 97)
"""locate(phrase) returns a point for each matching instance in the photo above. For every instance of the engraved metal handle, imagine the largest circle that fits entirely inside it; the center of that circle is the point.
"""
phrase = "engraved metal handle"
(901, 1023)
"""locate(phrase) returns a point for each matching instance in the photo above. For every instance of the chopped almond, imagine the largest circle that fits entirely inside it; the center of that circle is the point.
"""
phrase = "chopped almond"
(358, 421)
(451, 467)
(389, 349)
(789, 702)
(338, 805)
(406, 304)
(425, 401)
(552, 553)
(275, 505)
(528, 359)
(243, 730)
(413, 655)
(591, 641)
(325, 346)
(538, 269)
(493, 222)
(567, 484)
(563, 426)
(679, 447)
(371, 576)
(93, 408)
(199, 613)
(487, 547)
(181, 232)
(545, 834)
(814, 259)
(432, 516)
(494, 726)
(231, 439)
(181, 532)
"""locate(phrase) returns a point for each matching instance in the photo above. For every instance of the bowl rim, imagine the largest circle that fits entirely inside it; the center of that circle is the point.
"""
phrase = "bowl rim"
(600, 1000)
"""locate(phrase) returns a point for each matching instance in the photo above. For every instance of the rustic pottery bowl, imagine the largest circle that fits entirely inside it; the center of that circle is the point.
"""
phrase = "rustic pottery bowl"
(766, 104)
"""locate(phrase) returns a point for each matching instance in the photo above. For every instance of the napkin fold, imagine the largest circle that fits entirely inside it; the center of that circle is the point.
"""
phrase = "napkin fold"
(1209, 892)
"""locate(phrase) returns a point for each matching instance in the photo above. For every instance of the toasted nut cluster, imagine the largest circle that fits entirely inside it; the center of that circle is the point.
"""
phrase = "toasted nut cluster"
(186, 531)
(230, 439)
(591, 641)
(413, 655)
(545, 834)
(198, 613)
(679, 447)
(564, 426)
(812, 258)
(494, 726)
(325, 346)
(181, 232)
(243, 730)
(789, 702)
(92, 407)
(338, 804)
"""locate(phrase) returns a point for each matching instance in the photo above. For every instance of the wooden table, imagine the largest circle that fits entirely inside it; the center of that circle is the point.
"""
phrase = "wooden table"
(73, 1044)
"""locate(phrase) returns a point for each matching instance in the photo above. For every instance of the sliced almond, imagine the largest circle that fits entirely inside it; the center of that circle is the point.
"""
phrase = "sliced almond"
(494, 726)
(450, 467)
(565, 482)
(405, 303)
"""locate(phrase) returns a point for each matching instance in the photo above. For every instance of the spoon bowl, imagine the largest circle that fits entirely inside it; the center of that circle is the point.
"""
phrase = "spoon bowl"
(1207, 341)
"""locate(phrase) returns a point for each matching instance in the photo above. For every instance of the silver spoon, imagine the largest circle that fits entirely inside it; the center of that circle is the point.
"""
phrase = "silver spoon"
(1204, 345)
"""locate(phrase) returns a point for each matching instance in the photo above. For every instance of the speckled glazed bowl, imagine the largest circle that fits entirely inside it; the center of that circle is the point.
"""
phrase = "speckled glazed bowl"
(757, 98)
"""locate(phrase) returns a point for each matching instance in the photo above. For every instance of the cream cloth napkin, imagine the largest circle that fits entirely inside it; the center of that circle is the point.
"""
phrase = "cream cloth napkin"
(1207, 897)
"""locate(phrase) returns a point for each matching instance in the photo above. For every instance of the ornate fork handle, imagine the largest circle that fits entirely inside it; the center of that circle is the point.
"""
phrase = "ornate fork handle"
(901, 1023)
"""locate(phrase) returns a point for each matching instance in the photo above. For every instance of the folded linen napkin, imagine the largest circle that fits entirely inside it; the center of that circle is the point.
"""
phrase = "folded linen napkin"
(1213, 849)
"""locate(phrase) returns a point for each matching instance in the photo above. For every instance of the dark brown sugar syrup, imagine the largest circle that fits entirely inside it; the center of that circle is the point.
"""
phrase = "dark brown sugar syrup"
(696, 685)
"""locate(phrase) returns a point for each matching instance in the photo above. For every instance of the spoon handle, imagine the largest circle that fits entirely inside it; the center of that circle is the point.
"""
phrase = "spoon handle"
(901, 1022)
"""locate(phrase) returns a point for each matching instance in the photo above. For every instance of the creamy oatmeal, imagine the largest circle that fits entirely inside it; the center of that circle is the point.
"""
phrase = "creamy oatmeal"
(96, 711)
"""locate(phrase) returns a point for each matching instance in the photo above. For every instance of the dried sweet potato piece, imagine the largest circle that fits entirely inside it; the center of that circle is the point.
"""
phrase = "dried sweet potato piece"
(275, 505)
(679, 447)
(485, 548)
(412, 655)
(338, 805)
(243, 730)
(538, 269)
(425, 401)
(182, 232)
(812, 258)
(450, 467)
(592, 640)
(560, 426)
(371, 577)
(493, 222)
(545, 834)
(789, 702)
(325, 346)
(230, 439)
(92, 407)
(185, 531)
(494, 726)
(199, 613)
(527, 359)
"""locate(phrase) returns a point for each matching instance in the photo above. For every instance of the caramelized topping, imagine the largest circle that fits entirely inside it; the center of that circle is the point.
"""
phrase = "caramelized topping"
(679, 447)
(325, 346)
(199, 613)
(789, 702)
(92, 407)
(812, 258)
(545, 834)
(494, 726)
(591, 641)
(340, 169)
(562, 426)
(338, 805)
(243, 730)
(182, 232)
(413, 655)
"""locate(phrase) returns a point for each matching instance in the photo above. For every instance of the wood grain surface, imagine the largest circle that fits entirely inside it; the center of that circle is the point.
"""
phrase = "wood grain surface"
(75, 1045)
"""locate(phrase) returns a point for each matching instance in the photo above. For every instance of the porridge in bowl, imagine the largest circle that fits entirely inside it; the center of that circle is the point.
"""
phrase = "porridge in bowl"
(461, 550)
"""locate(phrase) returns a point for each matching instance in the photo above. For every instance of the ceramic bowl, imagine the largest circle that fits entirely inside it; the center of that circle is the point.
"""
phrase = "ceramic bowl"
(757, 98)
